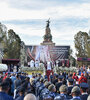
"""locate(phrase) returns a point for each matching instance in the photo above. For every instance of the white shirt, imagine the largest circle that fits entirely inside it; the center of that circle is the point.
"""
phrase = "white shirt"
(31, 63)
(36, 63)
(48, 65)
(28, 63)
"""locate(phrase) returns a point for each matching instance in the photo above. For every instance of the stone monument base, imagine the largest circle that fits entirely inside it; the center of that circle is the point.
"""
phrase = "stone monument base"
(48, 43)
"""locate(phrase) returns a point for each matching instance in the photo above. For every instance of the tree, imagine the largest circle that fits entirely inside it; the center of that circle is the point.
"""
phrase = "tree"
(71, 58)
(3, 32)
(81, 44)
(12, 46)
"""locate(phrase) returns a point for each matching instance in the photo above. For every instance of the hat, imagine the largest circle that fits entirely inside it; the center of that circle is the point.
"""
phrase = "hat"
(63, 88)
(58, 97)
(56, 75)
(51, 87)
(21, 89)
(47, 83)
(75, 89)
(84, 85)
(46, 97)
(60, 77)
(70, 80)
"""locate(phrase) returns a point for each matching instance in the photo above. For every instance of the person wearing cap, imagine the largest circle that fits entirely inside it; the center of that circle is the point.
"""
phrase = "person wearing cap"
(75, 93)
(37, 85)
(55, 80)
(47, 97)
(63, 93)
(40, 88)
(82, 79)
(52, 90)
(21, 94)
(59, 83)
(4, 88)
(64, 74)
(70, 85)
(83, 89)
(45, 91)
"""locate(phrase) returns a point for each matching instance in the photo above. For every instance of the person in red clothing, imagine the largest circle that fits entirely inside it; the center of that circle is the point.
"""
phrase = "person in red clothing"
(49, 70)
(5, 76)
(82, 79)
(75, 77)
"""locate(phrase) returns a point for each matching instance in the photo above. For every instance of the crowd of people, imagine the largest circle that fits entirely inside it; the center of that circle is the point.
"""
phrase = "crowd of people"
(62, 86)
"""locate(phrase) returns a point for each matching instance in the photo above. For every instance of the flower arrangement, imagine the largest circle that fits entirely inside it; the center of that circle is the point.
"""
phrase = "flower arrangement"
(40, 68)
(62, 69)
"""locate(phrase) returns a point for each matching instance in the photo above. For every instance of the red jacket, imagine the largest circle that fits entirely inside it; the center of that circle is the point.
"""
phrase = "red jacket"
(82, 79)
(75, 77)
(5, 76)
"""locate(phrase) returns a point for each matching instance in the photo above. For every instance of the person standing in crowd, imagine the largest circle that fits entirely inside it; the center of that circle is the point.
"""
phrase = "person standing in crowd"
(21, 94)
(49, 69)
(13, 78)
(30, 97)
(52, 90)
(32, 64)
(88, 69)
(83, 89)
(45, 91)
(70, 85)
(41, 86)
(51, 77)
(63, 93)
(36, 63)
(64, 74)
(75, 93)
(55, 80)
(29, 64)
(82, 79)
(6, 75)
(4, 88)
(75, 76)
(17, 81)
(59, 83)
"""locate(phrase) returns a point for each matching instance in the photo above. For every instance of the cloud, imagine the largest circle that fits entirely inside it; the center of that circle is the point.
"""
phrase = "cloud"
(28, 19)
(77, 10)
(41, 4)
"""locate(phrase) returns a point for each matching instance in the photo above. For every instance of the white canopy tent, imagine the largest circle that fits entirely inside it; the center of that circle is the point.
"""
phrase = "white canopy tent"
(3, 67)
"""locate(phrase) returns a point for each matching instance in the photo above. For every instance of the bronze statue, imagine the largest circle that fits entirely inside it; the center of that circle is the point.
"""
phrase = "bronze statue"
(48, 22)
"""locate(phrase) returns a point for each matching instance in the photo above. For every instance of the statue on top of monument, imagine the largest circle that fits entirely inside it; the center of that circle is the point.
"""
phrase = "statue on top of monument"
(48, 36)
(48, 22)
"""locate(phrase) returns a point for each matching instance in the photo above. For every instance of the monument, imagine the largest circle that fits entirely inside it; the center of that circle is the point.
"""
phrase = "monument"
(48, 36)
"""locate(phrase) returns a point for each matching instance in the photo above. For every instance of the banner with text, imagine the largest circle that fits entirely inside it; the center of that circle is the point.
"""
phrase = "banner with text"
(48, 53)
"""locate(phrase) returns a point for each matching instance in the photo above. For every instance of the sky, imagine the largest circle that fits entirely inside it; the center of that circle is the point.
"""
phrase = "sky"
(28, 19)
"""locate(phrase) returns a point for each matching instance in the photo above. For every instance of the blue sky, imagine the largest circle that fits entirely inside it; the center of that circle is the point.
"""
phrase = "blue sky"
(28, 19)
